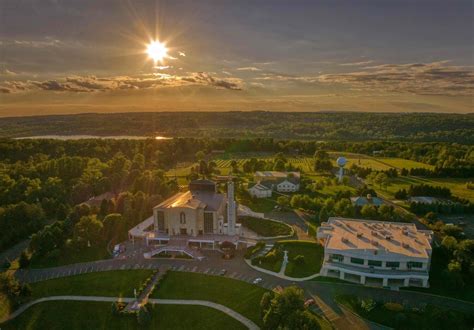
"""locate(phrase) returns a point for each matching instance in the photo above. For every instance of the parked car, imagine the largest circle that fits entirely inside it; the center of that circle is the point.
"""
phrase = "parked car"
(223, 272)
(257, 280)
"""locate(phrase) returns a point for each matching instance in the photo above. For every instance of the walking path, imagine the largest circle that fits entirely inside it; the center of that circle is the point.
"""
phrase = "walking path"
(244, 271)
(239, 317)
(142, 299)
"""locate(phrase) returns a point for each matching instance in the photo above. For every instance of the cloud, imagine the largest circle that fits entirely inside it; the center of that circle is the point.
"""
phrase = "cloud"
(203, 78)
(6, 72)
(356, 63)
(249, 68)
(87, 84)
(436, 78)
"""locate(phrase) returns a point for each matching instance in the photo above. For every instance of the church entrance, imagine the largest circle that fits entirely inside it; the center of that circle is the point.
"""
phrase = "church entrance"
(183, 231)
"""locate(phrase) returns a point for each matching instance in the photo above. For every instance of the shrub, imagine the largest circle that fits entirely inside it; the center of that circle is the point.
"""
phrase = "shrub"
(143, 316)
(24, 260)
(394, 307)
(299, 259)
(368, 304)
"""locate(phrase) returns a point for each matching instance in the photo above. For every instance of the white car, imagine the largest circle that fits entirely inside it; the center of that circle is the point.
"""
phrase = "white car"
(257, 280)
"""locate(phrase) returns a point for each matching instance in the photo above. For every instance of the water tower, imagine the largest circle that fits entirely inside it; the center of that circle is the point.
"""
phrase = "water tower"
(341, 162)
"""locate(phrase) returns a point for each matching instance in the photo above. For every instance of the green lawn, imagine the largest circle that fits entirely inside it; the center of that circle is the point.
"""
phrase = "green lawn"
(240, 296)
(266, 228)
(119, 283)
(97, 315)
(404, 163)
(68, 257)
(457, 186)
(261, 205)
(313, 257)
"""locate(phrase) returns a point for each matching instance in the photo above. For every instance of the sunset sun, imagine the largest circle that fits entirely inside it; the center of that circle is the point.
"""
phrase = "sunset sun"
(157, 51)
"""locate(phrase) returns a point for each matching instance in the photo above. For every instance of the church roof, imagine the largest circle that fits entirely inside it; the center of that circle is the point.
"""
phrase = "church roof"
(208, 201)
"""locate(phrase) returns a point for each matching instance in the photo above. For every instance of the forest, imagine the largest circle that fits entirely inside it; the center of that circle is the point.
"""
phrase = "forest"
(334, 126)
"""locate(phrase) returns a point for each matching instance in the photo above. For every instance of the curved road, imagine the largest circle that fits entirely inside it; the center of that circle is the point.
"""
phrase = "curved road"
(242, 319)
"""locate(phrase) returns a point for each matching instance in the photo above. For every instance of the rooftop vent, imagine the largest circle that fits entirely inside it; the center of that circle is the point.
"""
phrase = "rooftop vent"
(345, 240)
(388, 237)
(375, 243)
(406, 245)
(359, 235)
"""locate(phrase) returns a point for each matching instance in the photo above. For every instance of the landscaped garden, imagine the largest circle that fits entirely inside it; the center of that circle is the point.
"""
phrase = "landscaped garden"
(265, 227)
(304, 258)
(242, 297)
(402, 317)
(97, 315)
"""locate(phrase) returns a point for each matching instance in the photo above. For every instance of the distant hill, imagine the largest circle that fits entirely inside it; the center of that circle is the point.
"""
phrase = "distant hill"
(351, 126)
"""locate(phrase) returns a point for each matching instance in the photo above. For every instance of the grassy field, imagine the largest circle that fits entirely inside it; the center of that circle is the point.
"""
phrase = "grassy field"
(266, 228)
(404, 163)
(118, 283)
(73, 315)
(377, 163)
(240, 296)
(457, 186)
(313, 257)
(262, 205)
(68, 257)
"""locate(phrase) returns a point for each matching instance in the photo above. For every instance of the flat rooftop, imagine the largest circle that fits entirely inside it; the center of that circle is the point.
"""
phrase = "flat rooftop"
(368, 235)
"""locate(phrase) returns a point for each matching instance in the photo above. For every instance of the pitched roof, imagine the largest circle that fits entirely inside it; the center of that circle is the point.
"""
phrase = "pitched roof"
(209, 201)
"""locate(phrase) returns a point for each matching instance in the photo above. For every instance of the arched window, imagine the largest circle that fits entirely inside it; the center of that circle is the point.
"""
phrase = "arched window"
(182, 218)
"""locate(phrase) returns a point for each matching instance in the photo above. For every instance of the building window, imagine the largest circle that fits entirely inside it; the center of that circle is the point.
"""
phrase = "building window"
(414, 264)
(182, 218)
(393, 264)
(357, 261)
(337, 257)
(375, 263)
(160, 215)
(208, 222)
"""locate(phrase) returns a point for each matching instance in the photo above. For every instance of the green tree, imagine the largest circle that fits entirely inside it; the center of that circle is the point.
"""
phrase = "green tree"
(88, 231)
(283, 201)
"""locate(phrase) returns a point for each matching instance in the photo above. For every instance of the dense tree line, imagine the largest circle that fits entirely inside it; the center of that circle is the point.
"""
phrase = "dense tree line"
(280, 125)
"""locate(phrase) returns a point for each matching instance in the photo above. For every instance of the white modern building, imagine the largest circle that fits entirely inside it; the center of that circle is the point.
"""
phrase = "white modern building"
(376, 253)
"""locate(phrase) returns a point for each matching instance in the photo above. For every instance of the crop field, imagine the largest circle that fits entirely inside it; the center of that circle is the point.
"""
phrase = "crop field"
(304, 163)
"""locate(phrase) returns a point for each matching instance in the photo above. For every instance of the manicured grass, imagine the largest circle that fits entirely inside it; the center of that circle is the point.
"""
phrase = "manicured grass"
(268, 263)
(457, 186)
(73, 315)
(260, 205)
(266, 228)
(119, 283)
(404, 163)
(68, 257)
(240, 296)
(429, 318)
(313, 254)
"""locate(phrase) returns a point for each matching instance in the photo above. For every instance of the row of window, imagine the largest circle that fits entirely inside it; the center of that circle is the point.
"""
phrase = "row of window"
(377, 263)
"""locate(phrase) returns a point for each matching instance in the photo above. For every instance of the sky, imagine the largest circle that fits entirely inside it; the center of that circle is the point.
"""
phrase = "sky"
(75, 56)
